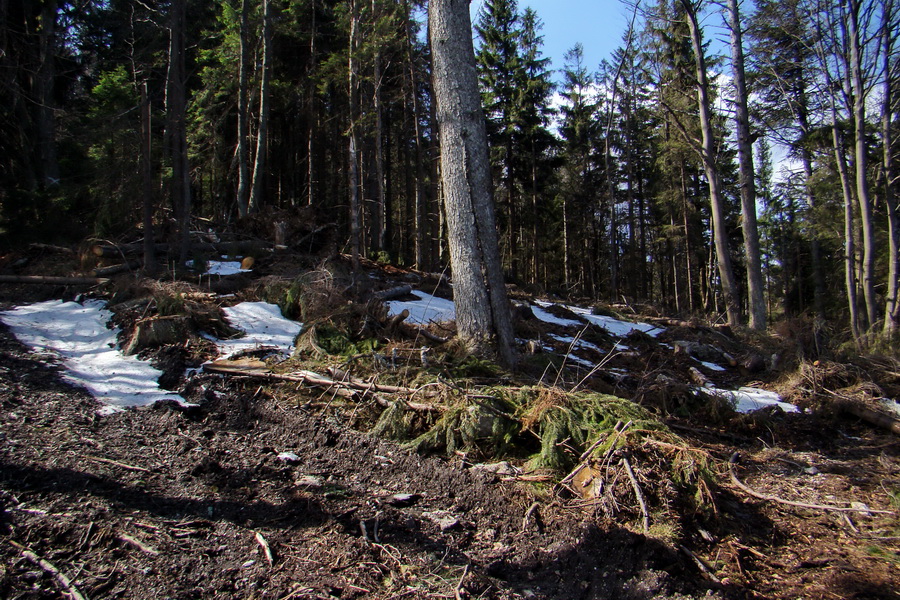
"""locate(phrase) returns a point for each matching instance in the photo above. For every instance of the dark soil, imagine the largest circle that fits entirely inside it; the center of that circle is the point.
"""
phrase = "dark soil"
(175, 502)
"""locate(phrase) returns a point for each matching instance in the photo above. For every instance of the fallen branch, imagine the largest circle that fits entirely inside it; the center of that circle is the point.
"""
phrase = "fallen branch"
(700, 563)
(51, 248)
(118, 464)
(345, 389)
(734, 479)
(637, 493)
(50, 280)
(50, 568)
(138, 544)
(532, 512)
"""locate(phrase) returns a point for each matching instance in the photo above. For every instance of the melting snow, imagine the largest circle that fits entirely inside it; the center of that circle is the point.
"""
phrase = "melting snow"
(615, 327)
(78, 334)
(749, 399)
(425, 310)
(547, 317)
(224, 267)
(711, 366)
(580, 344)
(264, 326)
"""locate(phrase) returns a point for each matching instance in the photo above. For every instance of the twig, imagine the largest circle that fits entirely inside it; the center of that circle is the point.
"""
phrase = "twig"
(700, 563)
(138, 544)
(265, 547)
(118, 464)
(60, 577)
(638, 493)
(459, 586)
(761, 496)
(532, 511)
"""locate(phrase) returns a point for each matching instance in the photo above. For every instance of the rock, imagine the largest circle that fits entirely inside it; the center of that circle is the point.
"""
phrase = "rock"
(403, 500)
(309, 481)
(499, 468)
(754, 363)
(288, 457)
(443, 519)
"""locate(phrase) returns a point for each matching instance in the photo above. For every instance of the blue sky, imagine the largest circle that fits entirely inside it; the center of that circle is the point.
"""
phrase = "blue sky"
(597, 24)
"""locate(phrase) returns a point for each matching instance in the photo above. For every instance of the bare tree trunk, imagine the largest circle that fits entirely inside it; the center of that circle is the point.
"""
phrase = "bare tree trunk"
(176, 108)
(420, 201)
(262, 132)
(150, 266)
(888, 41)
(755, 285)
(243, 100)
(860, 93)
(380, 216)
(353, 158)
(482, 308)
(708, 153)
(44, 78)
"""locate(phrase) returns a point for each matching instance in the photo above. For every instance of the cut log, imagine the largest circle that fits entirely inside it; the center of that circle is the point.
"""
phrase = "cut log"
(872, 417)
(116, 269)
(51, 248)
(158, 331)
(50, 280)
(396, 292)
(233, 248)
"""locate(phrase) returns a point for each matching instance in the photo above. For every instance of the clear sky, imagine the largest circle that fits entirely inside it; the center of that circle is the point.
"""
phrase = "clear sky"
(598, 24)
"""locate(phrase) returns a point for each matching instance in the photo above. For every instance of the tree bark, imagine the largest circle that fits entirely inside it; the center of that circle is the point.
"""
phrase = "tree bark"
(243, 100)
(150, 266)
(352, 157)
(708, 153)
(755, 286)
(262, 132)
(44, 83)
(892, 303)
(176, 108)
(860, 93)
(482, 309)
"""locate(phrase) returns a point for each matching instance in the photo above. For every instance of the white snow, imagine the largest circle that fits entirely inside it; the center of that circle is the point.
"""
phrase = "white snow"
(749, 399)
(425, 310)
(78, 334)
(547, 317)
(264, 326)
(615, 327)
(565, 339)
(711, 366)
(224, 267)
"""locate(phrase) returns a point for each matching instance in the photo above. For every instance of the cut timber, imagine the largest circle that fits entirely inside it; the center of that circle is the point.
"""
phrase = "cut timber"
(872, 417)
(233, 248)
(158, 331)
(116, 269)
(49, 280)
(396, 292)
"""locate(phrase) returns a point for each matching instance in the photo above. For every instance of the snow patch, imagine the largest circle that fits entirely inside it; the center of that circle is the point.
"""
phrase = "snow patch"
(711, 366)
(264, 326)
(749, 399)
(425, 310)
(547, 317)
(78, 334)
(614, 326)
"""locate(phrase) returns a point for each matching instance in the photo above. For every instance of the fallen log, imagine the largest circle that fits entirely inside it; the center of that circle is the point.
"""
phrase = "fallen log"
(872, 417)
(116, 269)
(134, 248)
(395, 292)
(51, 248)
(341, 388)
(50, 280)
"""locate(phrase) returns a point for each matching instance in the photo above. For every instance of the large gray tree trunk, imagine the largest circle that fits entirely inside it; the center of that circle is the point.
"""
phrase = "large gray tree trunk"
(755, 286)
(892, 298)
(482, 308)
(708, 153)
(860, 94)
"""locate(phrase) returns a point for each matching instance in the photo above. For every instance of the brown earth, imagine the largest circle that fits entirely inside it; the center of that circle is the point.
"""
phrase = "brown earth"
(173, 502)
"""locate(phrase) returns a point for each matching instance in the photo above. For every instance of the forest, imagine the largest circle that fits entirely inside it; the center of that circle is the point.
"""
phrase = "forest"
(749, 185)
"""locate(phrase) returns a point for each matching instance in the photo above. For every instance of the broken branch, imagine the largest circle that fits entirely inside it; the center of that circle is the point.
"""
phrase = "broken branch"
(637, 493)
(50, 568)
(770, 498)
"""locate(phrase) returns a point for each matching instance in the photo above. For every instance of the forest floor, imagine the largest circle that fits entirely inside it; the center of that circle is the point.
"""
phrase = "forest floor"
(267, 489)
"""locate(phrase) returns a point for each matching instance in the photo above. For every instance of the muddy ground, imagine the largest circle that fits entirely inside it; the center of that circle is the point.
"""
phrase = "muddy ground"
(203, 502)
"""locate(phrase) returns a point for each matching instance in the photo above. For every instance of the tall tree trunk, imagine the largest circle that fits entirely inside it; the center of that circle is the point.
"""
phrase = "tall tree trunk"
(708, 153)
(243, 100)
(44, 83)
(176, 105)
(380, 217)
(888, 41)
(420, 201)
(860, 94)
(262, 132)
(353, 158)
(755, 285)
(482, 307)
(150, 267)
